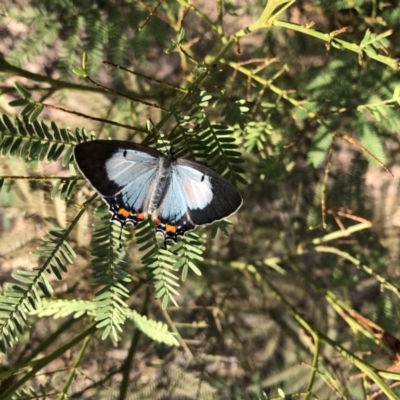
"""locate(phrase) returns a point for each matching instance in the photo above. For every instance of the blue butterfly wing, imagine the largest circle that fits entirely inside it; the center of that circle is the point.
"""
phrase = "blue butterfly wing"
(123, 173)
(194, 195)
(135, 180)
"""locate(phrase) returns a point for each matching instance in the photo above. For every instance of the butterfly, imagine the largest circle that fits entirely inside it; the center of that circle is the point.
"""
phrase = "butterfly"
(136, 181)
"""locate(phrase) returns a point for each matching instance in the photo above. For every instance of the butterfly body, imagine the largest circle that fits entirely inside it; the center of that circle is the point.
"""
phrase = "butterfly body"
(136, 181)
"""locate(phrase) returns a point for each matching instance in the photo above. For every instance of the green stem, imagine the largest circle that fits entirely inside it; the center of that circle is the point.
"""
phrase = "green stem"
(382, 280)
(9, 69)
(317, 345)
(342, 233)
(63, 394)
(330, 38)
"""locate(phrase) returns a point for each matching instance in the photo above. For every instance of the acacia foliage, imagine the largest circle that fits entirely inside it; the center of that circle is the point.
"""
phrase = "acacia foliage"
(276, 115)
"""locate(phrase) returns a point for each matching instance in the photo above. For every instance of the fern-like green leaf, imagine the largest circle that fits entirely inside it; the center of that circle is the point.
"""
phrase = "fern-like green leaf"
(35, 142)
(25, 295)
(62, 308)
(160, 264)
(235, 113)
(188, 251)
(154, 330)
(372, 141)
(319, 147)
(270, 169)
(109, 271)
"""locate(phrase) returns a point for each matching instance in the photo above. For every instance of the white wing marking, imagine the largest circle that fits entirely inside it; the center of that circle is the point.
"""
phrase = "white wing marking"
(122, 169)
(188, 189)
(136, 173)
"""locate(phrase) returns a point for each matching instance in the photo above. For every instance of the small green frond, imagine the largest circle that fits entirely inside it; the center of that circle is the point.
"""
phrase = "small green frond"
(33, 140)
(319, 146)
(235, 113)
(220, 226)
(30, 393)
(256, 135)
(63, 308)
(109, 271)
(270, 169)
(64, 187)
(221, 150)
(188, 250)
(26, 295)
(153, 329)
(373, 142)
(40, 38)
(376, 41)
(160, 264)
(384, 112)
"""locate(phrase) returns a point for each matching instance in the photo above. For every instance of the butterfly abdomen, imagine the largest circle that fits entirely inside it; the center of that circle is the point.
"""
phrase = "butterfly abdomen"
(160, 183)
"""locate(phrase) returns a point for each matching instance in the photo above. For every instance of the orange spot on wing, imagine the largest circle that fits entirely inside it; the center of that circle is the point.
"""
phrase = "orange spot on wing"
(170, 228)
(124, 212)
(140, 216)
